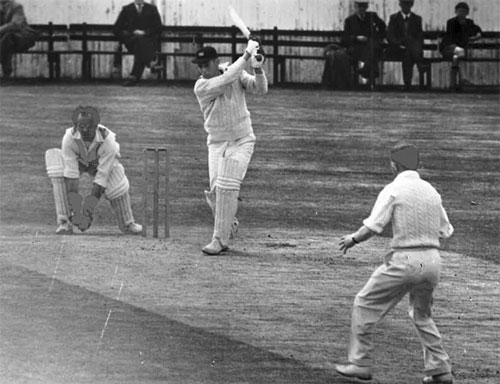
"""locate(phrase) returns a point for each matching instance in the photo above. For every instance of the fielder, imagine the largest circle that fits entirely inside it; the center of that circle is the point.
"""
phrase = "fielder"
(88, 147)
(418, 220)
(220, 91)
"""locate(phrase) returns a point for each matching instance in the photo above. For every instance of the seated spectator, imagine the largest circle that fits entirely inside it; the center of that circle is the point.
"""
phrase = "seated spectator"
(138, 27)
(364, 33)
(460, 31)
(406, 39)
(15, 34)
(337, 72)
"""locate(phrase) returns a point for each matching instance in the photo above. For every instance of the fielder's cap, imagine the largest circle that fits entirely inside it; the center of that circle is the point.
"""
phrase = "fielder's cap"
(205, 54)
(462, 5)
(406, 155)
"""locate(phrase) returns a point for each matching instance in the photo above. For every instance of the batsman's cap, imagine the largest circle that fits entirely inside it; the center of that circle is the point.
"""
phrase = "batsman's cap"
(87, 112)
(205, 54)
(462, 5)
(406, 155)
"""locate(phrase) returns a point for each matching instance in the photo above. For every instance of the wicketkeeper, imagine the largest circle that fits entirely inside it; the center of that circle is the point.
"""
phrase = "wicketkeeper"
(88, 147)
(221, 94)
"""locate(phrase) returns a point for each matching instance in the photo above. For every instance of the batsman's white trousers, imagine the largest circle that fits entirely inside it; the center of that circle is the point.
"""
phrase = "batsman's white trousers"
(414, 271)
(240, 150)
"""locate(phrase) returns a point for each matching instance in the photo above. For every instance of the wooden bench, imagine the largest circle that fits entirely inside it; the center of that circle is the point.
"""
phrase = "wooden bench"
(282, 46)
(89, 34)
(280, 39)
(50, 35)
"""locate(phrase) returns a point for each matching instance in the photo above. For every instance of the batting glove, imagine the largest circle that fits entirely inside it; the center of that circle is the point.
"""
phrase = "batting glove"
(257, 60)
(251, 46)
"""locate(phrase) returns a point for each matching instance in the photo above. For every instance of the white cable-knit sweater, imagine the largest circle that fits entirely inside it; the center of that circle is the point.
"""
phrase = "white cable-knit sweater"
(222, 101)
(415, 210)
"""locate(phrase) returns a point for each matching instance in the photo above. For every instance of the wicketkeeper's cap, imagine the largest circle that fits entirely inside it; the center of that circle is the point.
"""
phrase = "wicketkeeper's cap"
(205, 54)
(89, 112)
(406, 155)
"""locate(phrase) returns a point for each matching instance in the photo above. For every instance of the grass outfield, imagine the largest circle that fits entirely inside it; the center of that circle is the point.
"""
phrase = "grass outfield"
(320, 160)
(276, 307)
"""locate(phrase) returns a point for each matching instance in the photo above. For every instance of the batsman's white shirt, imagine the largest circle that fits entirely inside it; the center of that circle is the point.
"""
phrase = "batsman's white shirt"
(104, 148)
(415, 209)
(223, 104)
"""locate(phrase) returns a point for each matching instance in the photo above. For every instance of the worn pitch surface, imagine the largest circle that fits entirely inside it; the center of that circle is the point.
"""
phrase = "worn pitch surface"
(100, 307)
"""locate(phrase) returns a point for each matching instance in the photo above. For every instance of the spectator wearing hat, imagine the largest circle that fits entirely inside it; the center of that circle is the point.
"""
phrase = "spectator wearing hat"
(15, 34)
(414, 209)
(364, 33)
(221, 91)
(406, 39)
(138, 27)
(460, 31)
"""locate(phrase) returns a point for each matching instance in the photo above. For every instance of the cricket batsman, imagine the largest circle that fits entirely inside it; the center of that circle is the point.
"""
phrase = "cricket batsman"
(220, 91)
(88, 147)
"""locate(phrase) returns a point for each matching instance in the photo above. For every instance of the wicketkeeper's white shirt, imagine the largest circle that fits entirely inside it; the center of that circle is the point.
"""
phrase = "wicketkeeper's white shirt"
(103, 148)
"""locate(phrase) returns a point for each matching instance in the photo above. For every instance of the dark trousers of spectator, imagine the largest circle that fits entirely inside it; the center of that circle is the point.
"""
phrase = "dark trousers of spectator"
(144, 51)
(413, 54)
(11, 43)
(337, 71)
(369, 53)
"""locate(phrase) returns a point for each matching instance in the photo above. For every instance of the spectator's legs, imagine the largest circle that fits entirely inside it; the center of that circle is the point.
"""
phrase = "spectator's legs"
(117, 62)
(327, 79)
(407, 62)
(7, 48)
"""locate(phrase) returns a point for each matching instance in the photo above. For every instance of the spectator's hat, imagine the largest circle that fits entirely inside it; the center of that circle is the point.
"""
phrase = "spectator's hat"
(362, 3)
(407, 1)
(462, 5)
(204, 55)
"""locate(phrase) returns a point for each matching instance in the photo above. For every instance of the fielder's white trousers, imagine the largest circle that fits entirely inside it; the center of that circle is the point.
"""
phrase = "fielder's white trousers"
(240, 150)
(414, 271)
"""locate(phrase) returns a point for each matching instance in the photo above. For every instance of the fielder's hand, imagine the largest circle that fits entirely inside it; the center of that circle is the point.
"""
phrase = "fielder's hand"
(346, 242)
(89, 205)
(251, 47)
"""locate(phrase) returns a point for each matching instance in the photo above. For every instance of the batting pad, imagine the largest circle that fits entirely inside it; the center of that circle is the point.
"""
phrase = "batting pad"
(54, 162)
(226, 205)
(118, 183)
(210, 197)
(123, 211)
(60, 199)
(230, 174)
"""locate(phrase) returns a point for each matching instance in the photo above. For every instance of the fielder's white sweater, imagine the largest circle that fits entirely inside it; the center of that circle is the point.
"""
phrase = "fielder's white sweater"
(223, 104)
(414, 207)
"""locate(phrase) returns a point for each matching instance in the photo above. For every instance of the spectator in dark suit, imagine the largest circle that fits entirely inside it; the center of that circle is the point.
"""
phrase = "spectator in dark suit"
(15, 34)
(405, 37)
(138, 27)
(364, 33)
(459, 32)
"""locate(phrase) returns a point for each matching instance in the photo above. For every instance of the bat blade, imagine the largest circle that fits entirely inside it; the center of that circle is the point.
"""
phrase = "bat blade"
(238, 22)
